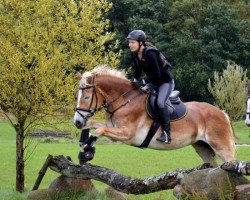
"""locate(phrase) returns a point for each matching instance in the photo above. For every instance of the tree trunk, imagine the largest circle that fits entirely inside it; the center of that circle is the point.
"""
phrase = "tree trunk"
(118, 181)
(19, 157)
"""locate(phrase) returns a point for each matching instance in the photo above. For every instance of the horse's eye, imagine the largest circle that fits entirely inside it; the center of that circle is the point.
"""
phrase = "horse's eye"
(87, 97)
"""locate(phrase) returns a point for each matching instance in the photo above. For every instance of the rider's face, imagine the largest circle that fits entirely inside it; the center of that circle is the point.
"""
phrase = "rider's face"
(133, 45)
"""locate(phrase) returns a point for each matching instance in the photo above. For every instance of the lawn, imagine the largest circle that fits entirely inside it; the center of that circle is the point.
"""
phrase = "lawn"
(242, 131)
(130, 161)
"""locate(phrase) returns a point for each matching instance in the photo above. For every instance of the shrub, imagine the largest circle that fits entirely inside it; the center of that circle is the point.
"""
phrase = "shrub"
(230, 89)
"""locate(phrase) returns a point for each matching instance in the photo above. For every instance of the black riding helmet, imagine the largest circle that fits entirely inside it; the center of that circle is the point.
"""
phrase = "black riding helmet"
(138, 35)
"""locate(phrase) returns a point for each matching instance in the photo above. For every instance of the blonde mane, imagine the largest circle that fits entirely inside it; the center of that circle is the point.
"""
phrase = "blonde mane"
(103, 70)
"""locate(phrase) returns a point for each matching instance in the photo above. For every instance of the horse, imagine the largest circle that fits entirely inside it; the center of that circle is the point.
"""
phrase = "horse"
(207, 128)
(247, 121)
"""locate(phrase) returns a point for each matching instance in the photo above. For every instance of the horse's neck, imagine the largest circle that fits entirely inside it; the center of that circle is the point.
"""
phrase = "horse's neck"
(113, 86)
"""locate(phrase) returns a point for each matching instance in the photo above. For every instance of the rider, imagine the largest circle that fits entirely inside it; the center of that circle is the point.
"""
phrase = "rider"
(248, 108)
(146, 59)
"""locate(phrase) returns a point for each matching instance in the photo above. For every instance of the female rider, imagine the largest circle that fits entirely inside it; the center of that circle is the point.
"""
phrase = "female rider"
(149, 60)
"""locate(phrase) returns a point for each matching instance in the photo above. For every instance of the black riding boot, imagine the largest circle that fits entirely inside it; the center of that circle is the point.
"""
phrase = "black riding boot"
(165, 122)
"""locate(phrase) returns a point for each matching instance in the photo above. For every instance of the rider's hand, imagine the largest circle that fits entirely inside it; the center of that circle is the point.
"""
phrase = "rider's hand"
(137, 84)
(145, 88)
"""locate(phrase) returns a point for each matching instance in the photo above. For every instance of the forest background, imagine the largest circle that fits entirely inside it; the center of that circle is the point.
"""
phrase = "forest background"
(197, 36)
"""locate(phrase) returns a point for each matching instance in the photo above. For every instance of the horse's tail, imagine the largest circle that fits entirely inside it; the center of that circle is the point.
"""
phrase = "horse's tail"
(236, 138)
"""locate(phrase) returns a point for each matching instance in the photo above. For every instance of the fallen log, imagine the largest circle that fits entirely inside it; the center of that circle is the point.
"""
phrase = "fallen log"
(118, 181)
(214, 183)
(242, 167)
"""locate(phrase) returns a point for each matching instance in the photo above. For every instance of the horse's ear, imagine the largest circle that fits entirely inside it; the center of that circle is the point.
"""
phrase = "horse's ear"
(79, 75)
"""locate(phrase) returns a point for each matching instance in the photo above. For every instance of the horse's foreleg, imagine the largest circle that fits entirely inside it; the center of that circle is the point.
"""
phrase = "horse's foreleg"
(87, 149)
(93, 124)
(119, 134)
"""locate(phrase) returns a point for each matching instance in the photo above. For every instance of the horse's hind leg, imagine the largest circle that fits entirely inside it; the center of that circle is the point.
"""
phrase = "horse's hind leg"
(225, 149)
(219, 135)
(205, 152)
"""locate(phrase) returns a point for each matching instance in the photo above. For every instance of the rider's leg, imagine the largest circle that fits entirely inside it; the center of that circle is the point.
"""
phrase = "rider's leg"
(165, 122)
(164, 92)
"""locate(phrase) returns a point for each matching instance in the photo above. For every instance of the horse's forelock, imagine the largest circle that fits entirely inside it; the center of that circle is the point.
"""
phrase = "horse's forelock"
(83, 81)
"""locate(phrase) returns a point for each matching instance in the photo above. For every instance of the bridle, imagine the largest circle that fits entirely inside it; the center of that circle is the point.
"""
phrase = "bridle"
(105, 104)
(89, 110)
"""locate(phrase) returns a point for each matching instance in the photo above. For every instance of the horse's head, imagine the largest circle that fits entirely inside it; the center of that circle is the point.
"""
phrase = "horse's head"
(99, 88)
(87, 100)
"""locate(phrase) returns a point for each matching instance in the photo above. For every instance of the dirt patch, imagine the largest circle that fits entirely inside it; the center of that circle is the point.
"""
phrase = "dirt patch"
(50, 134)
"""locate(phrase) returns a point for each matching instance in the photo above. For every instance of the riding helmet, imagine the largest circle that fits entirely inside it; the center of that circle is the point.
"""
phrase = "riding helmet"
(138, 35)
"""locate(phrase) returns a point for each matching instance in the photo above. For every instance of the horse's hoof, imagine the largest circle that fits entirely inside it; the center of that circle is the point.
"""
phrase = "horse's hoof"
(85, 157)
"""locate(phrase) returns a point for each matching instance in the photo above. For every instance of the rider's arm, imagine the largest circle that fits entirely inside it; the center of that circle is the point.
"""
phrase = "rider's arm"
(152, 59)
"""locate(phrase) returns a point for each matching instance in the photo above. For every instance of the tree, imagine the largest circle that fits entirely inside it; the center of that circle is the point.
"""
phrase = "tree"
(127, 15)
(200, 43)
(196, 36)
(230, 89)
(42, 43)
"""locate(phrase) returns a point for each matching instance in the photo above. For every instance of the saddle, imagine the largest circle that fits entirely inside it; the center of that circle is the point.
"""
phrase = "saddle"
(176, 107)
(177, 110)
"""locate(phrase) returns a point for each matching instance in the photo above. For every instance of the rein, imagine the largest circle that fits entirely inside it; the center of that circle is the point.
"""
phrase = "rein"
(128, 101)
(105, 104)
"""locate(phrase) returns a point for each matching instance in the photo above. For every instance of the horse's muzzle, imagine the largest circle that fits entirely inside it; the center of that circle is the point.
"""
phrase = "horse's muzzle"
(80, 119)
(79, 124)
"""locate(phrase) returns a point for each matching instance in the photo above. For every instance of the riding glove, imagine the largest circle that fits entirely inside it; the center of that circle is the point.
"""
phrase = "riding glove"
(145, 88)
(137, 84)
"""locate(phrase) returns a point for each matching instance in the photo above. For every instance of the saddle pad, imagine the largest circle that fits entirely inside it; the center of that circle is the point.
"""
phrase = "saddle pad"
(179, 109)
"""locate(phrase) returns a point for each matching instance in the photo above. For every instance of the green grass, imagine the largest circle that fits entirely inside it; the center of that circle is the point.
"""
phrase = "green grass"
(130, 161)
(242, 131)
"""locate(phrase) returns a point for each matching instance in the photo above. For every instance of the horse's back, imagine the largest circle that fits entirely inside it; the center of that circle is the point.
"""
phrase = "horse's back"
(209, 116)
(206, 110)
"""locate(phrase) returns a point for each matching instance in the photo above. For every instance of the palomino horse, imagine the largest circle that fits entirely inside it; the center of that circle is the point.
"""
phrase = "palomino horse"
(205, 127)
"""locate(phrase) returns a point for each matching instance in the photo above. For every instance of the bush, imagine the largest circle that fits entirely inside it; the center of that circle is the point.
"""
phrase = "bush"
(230, 89)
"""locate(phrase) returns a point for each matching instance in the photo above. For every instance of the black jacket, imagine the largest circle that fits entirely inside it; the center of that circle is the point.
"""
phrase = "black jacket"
(151, 66)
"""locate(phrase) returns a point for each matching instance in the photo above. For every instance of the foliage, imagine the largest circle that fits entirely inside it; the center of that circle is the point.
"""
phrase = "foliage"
(230, 90)
(127, 15)
(42, 44)
(203, 37)
(197, 36)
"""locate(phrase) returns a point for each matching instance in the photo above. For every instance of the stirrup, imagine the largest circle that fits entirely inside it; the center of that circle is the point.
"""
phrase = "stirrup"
(164, 138)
